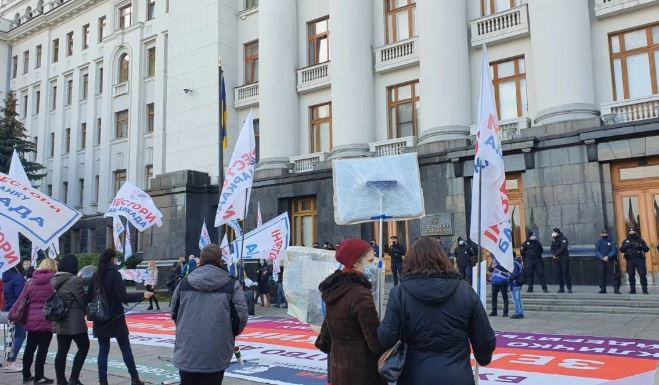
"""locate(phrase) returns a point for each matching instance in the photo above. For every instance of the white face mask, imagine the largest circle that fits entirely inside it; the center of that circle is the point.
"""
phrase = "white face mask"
(26, 266)
(533, 237)
(554, 235)
(461, 242)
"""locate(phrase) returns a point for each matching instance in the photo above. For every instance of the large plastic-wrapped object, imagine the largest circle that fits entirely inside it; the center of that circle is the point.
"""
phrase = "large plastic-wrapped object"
(360, 183)
(305, 269)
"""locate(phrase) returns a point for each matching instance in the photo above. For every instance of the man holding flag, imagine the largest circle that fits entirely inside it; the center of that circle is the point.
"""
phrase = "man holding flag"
(490, 225)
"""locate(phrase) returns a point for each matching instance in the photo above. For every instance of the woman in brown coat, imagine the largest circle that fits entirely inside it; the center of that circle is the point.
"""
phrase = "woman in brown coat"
(349, 332)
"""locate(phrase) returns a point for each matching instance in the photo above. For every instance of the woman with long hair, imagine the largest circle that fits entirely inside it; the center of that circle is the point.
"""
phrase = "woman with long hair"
(151, 283)
(442, 318)
(13, 284)
(263, 274)
(349, 331)
(39, 330)
(73, 328)
(108, 282)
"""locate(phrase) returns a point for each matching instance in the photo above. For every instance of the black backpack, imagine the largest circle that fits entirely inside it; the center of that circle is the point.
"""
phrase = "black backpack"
(55, 309)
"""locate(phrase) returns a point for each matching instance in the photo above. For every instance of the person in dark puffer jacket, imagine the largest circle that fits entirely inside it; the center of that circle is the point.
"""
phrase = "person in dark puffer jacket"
(74, 327)
(443, 318)
(13, 284)
(39, 330)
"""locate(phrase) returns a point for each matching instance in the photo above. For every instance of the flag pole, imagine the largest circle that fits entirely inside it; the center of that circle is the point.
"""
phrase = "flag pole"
(480, 255)
(220, 127)
(242, 243)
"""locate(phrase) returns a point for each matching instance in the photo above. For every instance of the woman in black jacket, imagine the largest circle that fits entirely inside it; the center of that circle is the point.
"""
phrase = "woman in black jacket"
(73, 328)
(443, 316)
(108, 282)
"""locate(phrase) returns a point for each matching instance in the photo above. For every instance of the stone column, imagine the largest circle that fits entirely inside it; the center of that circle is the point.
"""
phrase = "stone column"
(562, 60)
(278, 100)
(351, 71)
(443, 70)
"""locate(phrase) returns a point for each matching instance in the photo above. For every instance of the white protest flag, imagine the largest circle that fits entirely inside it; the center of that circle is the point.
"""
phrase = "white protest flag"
(136, 205)
(237, 187)
(39, 217)
(235, 225)
(128, 249)
(495, 232)
(9, 243)
(267, 242)
(34, 255)
(259, 218)
(204, 238)
(226, 251)
(117, 229)
(53, 250)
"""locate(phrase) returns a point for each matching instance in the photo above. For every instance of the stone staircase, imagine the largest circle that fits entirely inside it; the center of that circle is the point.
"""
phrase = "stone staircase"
(584, 299)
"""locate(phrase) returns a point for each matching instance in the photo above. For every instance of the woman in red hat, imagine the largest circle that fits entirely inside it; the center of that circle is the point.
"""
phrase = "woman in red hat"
(349, 332)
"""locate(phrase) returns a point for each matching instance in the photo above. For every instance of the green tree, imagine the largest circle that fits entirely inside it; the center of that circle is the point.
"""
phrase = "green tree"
(13, 136)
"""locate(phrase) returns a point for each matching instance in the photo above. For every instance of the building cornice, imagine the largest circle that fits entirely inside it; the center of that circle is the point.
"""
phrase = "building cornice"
(50, 19)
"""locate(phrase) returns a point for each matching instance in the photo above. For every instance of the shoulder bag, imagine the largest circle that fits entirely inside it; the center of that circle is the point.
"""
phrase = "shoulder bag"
(98, 309)
(392, 362)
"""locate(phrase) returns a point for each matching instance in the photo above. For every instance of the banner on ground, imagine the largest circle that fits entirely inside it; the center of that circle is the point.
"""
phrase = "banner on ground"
(267, 242)
(237, 187)
(39, 217)
(204, 238)
(489, 181)
(137, 206)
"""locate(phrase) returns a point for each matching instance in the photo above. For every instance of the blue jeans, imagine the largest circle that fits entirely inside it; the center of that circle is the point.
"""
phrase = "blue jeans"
(281, 296)
(126, 352)
(517, 300)
(19, 338)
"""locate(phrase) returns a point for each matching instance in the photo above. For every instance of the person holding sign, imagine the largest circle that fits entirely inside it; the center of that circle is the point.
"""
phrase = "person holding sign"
(349, 332)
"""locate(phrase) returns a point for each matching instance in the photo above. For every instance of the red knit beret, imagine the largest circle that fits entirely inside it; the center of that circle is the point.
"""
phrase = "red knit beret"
(350, 250)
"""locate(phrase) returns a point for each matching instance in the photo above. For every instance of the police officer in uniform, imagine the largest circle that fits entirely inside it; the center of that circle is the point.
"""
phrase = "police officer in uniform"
(396, 252)
(531, 252)
(607, 253)
(634, 249)
(562, 257)
(464, 256)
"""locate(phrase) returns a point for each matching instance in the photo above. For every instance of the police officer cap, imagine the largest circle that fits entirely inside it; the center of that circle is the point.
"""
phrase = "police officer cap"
(460, 239)
(632, 231)
(556, 230)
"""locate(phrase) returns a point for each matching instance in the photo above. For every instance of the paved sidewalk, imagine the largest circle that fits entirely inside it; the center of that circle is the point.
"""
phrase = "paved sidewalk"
(154, 369)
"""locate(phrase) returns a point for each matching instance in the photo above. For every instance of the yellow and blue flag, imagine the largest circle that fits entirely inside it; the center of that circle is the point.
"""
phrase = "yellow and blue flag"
(223, 114)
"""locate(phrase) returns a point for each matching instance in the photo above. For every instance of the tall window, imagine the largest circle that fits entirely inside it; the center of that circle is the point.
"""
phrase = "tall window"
(35, 140)
(400, 20)
(53, 98)
(151, 61)
(37, 59)
(69, 43)
(635, 62)
(65, 192)
(252, 62)
(304, 221)
(148, 174)
(83, 136)
(52, 145)
(251, 4)
(85, 87)
(320, 127)
(49, 190)
(96, 188)
(69, 92)
(85, 36)
(81, 188)
(150, 117)
(119, 179)
(67, 140)
(404, 105)
(318, 41)
(55, 50)
(150, 9)
(101, 28)
(24, 105)
(257, 139)
(98, 131)
(37, 101)
(121, 124)
(14, 67)
(124, 16)
(99, 81)
(26, 62)
(509, 80)
(124, 64)
(489, 7)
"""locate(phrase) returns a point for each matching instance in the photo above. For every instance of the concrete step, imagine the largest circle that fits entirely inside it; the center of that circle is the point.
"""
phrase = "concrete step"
(588, 309)
(587, 302)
